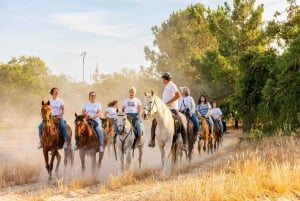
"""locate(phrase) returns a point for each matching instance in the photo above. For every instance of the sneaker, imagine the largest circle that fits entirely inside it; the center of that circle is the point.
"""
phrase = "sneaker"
(75, 148)
(101, 149)
(151, 143)
(65, 145)
(39, 146)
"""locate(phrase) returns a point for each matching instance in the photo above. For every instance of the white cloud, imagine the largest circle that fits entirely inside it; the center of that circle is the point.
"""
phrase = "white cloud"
(95, 23)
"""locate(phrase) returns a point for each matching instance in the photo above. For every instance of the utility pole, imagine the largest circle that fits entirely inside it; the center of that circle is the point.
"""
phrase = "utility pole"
(83, 54)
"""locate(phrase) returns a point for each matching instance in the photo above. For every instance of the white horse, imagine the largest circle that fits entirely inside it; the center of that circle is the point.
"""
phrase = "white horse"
(154, 107)
(125, 141)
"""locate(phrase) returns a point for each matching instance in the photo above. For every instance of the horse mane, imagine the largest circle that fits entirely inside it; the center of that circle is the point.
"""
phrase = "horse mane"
(82, 118)
(163, 110)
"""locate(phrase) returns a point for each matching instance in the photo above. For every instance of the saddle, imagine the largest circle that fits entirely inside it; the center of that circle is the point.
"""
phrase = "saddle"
(93, 125)
(132, 119)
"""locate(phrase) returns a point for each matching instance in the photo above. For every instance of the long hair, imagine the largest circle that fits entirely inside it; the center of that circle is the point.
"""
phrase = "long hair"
(199, 101)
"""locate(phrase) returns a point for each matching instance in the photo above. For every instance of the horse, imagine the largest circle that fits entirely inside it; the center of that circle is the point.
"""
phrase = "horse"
(87, 141)
(52, 142)
(191, 136)
(204, 135)
(126, 140)
(217, 138)
(168, 143)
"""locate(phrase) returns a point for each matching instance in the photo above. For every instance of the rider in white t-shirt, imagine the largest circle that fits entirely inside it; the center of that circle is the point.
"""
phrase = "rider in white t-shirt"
(93, 111)
(170, 98)
(132, 106)
(57, 111)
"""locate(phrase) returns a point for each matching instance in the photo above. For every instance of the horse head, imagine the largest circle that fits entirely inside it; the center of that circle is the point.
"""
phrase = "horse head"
(149, 105)
(46, 112)
(122, 123)
(81, 127)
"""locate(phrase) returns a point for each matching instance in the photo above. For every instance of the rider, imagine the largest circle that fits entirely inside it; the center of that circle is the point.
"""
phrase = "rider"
(132, 106)
(93, 111)
(187, 106)
(203, 108)
(111, 113)
(216, 113)
(57, 111)
(170, 98)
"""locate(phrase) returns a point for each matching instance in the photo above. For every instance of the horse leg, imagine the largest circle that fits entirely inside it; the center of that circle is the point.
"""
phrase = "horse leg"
(122, 160)
(140, 156)
(82, 159)
(58, 158)
(101, 154)
(93, 158)
(128, 159)
(53, 154)
(46, 158)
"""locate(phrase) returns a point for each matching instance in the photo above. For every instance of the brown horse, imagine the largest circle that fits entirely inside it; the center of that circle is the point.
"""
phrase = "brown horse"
(216, 135)
(87, 141)
(204, 135)
(51, 142)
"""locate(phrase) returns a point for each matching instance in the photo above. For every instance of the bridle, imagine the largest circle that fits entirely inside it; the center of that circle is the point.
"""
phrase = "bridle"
(148, 109)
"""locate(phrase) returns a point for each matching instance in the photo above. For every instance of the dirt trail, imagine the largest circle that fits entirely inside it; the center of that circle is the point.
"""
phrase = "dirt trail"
(110, 167)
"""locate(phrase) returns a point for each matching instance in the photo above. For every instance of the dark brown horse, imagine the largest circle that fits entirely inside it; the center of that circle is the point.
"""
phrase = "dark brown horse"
(204, 135)
(52, 142)
(216, 135)
(87, 141)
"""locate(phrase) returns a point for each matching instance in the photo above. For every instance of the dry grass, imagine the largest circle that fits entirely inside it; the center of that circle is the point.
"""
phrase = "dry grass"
(18, 173)
(262, 171)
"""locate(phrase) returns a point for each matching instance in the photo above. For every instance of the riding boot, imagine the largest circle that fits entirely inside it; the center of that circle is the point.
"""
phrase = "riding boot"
(152, 140)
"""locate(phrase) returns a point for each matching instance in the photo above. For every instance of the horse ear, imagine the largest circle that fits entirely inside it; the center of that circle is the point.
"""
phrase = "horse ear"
(43, 103)
(145, 93)
(152, 93)
(48, 102)
(76, 114)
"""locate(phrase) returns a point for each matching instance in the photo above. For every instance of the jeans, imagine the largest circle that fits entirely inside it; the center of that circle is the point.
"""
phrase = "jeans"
(138, 123)
(221, 126)
(211, 124)
(62, 128)
(99, 130)
(195, 121)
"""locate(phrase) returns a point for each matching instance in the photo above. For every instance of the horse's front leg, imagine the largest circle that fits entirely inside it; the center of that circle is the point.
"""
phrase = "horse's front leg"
(128, 159)
(82, 159)
(46, 158)
(121, 154)
(93, 158)
(101, 154)
(58, 157)
(53, 154)
(141, 151)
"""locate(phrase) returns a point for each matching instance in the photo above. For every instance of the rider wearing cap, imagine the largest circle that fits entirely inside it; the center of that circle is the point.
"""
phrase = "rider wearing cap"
(170, 97)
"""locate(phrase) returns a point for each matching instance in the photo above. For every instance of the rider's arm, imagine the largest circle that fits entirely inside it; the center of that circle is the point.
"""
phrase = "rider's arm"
(175, 97)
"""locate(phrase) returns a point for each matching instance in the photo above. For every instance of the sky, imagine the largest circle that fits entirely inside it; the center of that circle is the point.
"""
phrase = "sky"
(113, 33)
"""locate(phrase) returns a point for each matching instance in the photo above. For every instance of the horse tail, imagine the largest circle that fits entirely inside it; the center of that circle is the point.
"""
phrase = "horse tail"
(175, 149)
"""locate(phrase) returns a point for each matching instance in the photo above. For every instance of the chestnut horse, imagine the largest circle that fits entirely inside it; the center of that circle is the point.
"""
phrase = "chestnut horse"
(204, 135)
(52, 142)
(87, 141)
